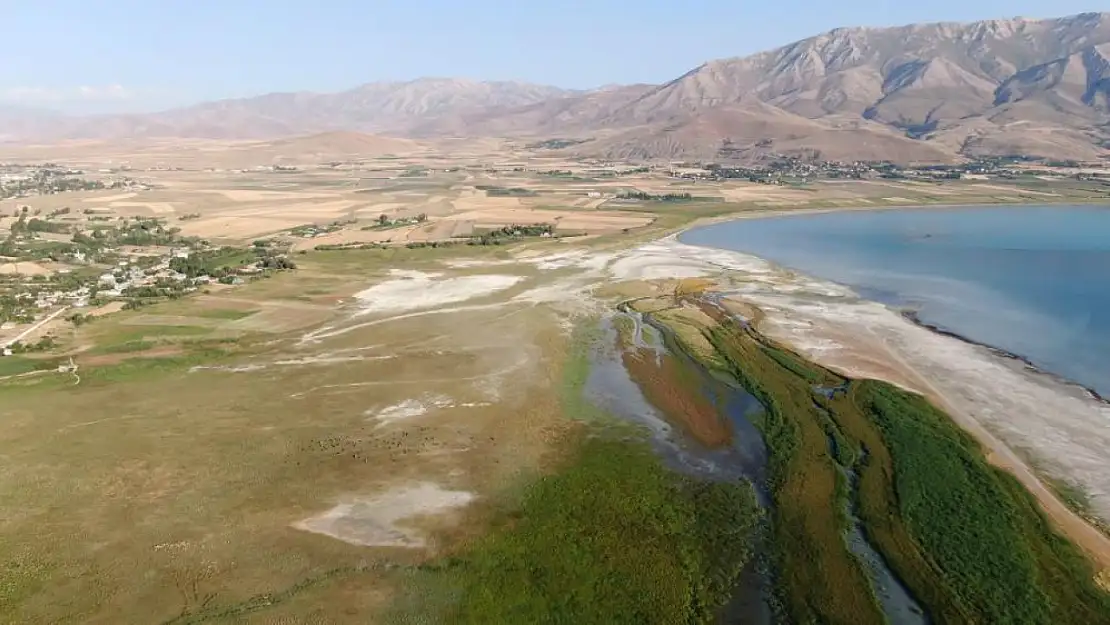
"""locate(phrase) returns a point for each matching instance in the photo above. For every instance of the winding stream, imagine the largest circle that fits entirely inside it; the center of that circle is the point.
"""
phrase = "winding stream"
(611, 387)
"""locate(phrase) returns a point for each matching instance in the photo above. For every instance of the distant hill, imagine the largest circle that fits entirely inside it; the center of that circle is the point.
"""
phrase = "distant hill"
(373, 107)
(920, 92)
(335, 143)
(926, 92)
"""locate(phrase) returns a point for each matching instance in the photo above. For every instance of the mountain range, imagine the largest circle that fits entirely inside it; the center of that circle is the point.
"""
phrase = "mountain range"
(926, 92)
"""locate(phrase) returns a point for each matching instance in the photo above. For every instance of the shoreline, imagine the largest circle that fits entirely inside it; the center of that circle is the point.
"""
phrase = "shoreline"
(770, 212)
(909, 315)
(896, 351)
(1030, 366)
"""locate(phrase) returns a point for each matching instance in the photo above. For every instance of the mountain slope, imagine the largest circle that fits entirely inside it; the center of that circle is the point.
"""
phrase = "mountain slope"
(373, 107)
(907, 76)
(1037, 87)
(918, 92)
(573, 113)
(753, 130)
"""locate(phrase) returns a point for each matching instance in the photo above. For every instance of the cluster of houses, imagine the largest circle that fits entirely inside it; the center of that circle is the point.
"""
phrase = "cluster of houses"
(128, 274)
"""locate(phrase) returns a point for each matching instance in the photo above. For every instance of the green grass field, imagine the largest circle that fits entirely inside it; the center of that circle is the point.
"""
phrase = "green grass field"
(17, 365)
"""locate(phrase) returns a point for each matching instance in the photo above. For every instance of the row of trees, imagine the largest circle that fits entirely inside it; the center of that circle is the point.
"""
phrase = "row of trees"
(646, 197)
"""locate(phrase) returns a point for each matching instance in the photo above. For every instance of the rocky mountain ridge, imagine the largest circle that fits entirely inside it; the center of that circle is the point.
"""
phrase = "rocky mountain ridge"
(937, 91)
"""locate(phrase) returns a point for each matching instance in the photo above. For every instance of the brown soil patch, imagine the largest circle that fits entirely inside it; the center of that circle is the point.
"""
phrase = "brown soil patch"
(282, 318)
(107, 309)
(663, 384)
(734, 306)
(24, 268)
(164, 351)
(348, 237)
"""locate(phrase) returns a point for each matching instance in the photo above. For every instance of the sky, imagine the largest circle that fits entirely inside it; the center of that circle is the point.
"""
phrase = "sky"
(138, 55)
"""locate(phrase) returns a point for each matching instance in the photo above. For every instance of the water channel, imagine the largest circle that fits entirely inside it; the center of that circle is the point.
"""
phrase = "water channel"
(611, 387)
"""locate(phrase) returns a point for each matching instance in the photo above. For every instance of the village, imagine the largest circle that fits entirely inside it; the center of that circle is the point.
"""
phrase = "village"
(794, 170)
(93, 276)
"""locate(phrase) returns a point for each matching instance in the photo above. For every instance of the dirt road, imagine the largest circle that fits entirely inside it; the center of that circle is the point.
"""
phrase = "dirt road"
(31, 330)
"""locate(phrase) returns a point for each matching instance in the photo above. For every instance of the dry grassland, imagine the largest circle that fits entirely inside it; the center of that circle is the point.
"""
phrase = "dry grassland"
(277, 463)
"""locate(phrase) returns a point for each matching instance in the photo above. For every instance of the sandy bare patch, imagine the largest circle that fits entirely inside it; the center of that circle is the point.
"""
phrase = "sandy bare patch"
(107, 309)
(281, 318)
(749, 193)
(480, 202)
(379, 521)
(602, 222)
(327, 359)
(436, 231)
(379, 208)
(348, 237)
(470, 263)
(158, 208)
(409, 409)
(163, 351)
(251, 195)
(412, 290)
(24, 268)
(306, 211)
(239, 227)
(109, 198)
(997, 187)
(171, 320)
(659, 261)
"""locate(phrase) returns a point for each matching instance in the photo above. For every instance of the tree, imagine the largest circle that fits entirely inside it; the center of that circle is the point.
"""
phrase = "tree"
(383, 219)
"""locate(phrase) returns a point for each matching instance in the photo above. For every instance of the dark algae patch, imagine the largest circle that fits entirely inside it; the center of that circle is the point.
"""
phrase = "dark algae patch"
(963, 537)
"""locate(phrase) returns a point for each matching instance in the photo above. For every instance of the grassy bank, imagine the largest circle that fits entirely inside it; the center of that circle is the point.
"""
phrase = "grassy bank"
(967, 540)
(820, 580)
(992, 550)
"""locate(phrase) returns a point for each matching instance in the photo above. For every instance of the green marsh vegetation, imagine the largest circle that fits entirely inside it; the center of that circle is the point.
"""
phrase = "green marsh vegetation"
(990, 544)
(966, 539)
(18, 365)
(819, 578)
(606, 535)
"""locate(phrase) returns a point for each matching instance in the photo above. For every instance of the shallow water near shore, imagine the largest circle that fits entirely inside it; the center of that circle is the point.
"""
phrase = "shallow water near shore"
(1031, 281)
(611, 387)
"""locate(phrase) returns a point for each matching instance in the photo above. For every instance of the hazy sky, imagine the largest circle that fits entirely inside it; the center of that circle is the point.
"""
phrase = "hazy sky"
(108, 55)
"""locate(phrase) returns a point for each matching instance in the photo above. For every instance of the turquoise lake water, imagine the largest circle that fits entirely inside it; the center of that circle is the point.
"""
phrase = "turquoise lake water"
(1033, 281)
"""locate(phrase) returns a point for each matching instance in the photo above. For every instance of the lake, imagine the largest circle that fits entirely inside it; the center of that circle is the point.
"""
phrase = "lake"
(1031, 280)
